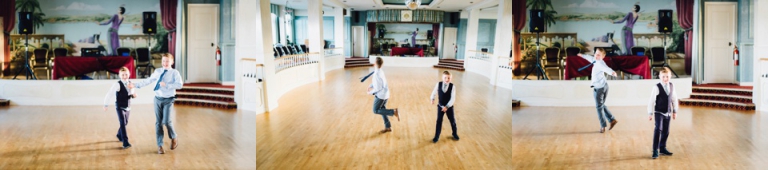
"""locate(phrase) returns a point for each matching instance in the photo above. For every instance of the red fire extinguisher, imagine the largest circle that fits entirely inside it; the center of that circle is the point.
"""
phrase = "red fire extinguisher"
(218, 56)
(735, 56)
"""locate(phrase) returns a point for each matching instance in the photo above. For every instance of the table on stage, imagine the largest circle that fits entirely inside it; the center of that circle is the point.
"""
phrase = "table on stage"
(638, 65)
(72, 66)
(396, 51)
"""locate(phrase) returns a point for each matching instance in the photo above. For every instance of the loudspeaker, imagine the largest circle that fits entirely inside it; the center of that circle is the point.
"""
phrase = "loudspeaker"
(25, 23)
(149, 25)
(665, 20)
(430, 34)
(455, 16)
(345, 12)
(537, 21)
(355, 16)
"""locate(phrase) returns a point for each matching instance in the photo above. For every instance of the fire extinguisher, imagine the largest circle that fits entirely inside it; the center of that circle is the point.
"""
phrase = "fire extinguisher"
(735, 56)
(218, 56)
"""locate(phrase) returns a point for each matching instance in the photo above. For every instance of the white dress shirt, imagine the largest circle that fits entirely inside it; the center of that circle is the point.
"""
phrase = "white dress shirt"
(110, 98)
(598, 70)
(445, 90)
(379, 85)
(172, 80)
(655, 91)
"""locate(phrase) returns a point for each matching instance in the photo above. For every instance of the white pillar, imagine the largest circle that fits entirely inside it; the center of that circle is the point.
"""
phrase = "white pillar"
(281, 22)
(254, 22)
(472, 24)
(315, 33)
(503, 42)
(761, 52)
(338, 28)
(2, 44)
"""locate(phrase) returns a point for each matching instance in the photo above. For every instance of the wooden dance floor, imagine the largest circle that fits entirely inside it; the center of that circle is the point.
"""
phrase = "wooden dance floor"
(330, 125)
(700, 138)
(75, 137)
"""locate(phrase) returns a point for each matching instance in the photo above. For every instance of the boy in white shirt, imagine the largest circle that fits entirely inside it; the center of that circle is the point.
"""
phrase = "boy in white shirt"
(663, 105)
(446, 95)
(123, 91)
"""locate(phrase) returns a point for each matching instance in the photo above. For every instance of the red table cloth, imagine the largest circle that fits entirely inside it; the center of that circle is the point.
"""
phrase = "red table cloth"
(396, 51)
(72, 66)
(638, 65)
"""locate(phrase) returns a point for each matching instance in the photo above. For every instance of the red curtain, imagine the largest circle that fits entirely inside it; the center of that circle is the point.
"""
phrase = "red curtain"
(685, 18)
(435, 33)
(8, 12)
(168, 12)
(518, 17)
(372, 34)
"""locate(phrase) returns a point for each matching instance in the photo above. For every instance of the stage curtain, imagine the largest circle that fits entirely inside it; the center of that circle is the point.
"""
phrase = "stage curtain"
(393, 15)
(8, 12)
(430, 16)
(685, 18)
(518, 17)
(168, 12)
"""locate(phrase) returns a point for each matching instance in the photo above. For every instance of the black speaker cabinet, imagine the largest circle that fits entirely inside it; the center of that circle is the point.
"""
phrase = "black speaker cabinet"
(25, 23)
(537, 21)
(149, 25)
(455, 16)
(665, 21)
(355, 16)
(430, 34)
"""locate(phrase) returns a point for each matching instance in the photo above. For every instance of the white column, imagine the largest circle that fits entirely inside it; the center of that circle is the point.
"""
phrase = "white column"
(761, 52)
(281, 22)
(472, 24)
(503, 42)
(2, 44)
(315, 33)
(254, 23)
(338, 28)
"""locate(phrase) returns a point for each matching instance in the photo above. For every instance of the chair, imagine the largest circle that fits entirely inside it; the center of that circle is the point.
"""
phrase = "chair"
(286, 50)
(143, 60)
(60, 52)
(659, 59)
(552, 60)
(572, 51)
(274, 53)
(42, 61)
(298, 49)
(304, 48)
(639, 51)
(124, 51)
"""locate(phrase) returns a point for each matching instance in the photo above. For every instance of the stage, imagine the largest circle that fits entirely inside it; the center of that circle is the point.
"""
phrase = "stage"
(397, 61)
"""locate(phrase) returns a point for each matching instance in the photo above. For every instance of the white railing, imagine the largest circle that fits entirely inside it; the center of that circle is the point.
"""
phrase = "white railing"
(288, 61)
(479, 55)
(505, 63)
(253, 76)
(330, 52)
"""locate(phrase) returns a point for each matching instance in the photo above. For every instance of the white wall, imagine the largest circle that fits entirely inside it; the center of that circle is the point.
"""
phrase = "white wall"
(577, 93)
(334, 62)
(65, 93)
(486, 13)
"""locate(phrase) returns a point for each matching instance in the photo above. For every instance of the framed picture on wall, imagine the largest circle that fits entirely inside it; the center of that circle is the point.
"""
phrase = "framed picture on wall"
(406, 16)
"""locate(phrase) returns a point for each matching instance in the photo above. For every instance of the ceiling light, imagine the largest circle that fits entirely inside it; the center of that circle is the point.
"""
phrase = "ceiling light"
(412, 4)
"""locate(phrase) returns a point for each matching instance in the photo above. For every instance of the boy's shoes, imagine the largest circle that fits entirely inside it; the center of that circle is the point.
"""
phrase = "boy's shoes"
(602, 129)
(126, 147)
(160, 150)
(665, 152)
(613, 122)
(174, 144)
(655, 154)
(434, 140)
(385, 130)
(397, 115)
(455, 137)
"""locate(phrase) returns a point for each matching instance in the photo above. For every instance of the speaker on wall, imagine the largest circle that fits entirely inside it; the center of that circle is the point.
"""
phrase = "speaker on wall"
(355, 16)
(537, 21)
(25, 23)
(149, 25)
(665, 20)
(430, 34)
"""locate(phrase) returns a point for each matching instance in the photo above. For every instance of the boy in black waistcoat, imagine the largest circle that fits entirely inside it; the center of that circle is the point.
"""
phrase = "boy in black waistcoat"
(663, 104)
(123, 92)
(446, 93)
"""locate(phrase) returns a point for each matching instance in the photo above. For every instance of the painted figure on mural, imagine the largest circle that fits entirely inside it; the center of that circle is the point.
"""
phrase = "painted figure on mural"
(116, 21)
(630, 19)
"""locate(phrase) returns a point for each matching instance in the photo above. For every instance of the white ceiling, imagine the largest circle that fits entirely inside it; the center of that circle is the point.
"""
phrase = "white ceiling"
(362, 5)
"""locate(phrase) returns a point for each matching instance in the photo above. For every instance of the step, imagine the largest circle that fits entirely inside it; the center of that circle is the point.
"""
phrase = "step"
(715, 103)
(357, 59)
(515, 103)
(450, 67)
(451, 64)
(215, 90)
(357, 62)
(722, 97)
(206, 103)
(454, 62)
(358, 65)
(5, 102)
(720, 90)
(207, 96)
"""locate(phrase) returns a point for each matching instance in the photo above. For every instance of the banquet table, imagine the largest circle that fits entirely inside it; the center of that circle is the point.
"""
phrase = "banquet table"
(396, 51)
(64, 66)
(638, 65)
